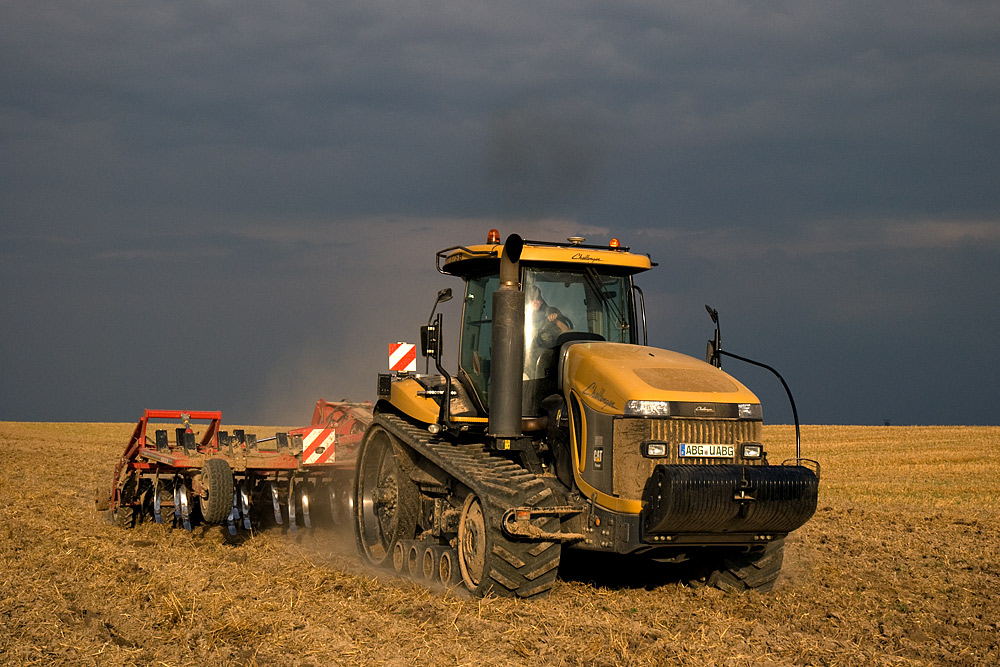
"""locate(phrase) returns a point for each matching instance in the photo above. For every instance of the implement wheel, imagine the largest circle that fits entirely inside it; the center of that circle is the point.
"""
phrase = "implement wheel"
(386, 501)
(216, 498)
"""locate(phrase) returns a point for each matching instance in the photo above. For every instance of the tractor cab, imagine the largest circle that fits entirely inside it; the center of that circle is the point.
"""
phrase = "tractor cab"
(572, 292)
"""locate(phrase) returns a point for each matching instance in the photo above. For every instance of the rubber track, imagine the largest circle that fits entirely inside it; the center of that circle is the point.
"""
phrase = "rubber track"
(744, 572)
(523, 568)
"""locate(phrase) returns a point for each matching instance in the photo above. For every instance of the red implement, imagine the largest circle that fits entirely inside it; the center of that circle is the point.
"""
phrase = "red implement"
(190, 466)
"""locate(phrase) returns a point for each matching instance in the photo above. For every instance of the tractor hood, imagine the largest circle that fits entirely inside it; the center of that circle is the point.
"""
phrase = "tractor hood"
(607, 375)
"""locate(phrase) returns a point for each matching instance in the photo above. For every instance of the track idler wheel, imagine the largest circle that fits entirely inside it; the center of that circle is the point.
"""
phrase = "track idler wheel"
(386, 499)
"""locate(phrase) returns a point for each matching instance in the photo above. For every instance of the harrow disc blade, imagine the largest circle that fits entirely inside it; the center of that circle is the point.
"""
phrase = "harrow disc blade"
(177, 502)
(291, 506)
(305, 509)
(245, 505)
(157, 503)
(274, 500)
(185, 509)
(234, 514)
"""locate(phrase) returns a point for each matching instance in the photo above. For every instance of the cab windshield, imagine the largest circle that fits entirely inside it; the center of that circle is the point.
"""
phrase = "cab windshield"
(557, 302)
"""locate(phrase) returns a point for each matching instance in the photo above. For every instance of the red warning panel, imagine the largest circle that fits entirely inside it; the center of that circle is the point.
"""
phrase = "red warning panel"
(318, 446)
(403, 357)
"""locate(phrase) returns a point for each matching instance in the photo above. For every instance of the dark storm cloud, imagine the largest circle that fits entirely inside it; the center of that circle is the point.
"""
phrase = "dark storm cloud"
(237, 204)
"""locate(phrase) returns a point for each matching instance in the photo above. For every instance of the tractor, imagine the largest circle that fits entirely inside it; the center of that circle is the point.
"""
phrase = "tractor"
(563, 429)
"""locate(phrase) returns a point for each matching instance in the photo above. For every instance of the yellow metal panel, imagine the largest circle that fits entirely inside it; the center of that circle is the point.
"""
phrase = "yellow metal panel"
(404, 397)
(630, 262)
(607, 375)
(579, 463)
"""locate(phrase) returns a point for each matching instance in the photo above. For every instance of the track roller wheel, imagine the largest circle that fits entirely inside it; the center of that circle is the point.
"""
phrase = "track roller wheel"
(398, 558)
(491, 563)
(428, 564)
(216, 497)
(387, 500)
(413, 562)
(446, 572)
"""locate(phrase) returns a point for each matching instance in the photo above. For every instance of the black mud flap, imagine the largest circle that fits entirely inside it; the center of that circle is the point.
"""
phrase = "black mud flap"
(728, 499)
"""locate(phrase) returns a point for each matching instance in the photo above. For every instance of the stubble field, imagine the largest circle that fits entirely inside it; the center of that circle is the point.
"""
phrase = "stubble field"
(900, 566)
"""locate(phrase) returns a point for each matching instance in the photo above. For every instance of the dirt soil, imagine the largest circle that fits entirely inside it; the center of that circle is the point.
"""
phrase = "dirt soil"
(898, 567)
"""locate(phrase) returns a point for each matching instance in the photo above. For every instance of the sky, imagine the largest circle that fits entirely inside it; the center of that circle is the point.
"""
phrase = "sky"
(236, 205)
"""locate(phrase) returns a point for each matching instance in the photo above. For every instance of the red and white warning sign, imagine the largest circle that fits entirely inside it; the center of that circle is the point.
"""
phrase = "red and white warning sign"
(318, 446)
(403, 357)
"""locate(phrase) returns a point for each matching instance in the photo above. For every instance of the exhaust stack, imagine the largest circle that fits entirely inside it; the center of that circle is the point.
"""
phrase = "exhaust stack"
(507, 346)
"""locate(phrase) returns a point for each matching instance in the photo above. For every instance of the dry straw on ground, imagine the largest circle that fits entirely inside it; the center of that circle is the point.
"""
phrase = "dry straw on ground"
(898, 567)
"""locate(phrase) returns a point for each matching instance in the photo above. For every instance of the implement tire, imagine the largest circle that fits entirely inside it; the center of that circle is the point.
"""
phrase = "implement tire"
(216, 499)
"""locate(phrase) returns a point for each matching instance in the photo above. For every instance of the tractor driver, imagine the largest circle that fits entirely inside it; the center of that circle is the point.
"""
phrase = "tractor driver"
(543, 324)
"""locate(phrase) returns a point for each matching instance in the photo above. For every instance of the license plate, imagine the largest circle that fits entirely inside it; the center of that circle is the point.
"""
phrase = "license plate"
(707, 451)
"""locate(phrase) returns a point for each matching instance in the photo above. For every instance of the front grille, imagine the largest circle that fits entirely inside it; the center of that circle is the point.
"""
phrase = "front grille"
(631, 469)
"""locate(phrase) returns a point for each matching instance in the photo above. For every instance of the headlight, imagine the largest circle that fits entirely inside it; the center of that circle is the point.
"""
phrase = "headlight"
(647, 409)
(752, 450)
(750, 411)
(654, 448)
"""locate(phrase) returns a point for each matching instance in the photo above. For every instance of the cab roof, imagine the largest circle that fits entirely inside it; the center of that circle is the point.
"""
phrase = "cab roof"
(466, 260)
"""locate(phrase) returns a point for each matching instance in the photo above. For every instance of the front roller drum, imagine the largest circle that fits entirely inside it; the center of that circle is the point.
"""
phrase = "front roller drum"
(681, 499)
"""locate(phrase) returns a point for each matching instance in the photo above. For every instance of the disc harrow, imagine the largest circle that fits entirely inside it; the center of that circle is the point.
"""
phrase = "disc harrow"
(181, 468)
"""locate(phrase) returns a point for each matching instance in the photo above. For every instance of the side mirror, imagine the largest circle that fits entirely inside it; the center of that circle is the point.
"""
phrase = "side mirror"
(443, 295)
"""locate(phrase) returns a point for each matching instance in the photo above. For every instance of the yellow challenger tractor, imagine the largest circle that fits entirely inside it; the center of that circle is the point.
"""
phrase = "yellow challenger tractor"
(563, 429)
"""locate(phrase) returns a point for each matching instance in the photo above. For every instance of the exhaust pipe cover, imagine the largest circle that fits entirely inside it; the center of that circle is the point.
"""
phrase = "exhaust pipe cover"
(507, 346)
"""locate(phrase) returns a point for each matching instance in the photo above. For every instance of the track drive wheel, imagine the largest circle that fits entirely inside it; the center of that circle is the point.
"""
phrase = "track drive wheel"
(756, 570)
(386, 501)
(491, 563)
(216, 497)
